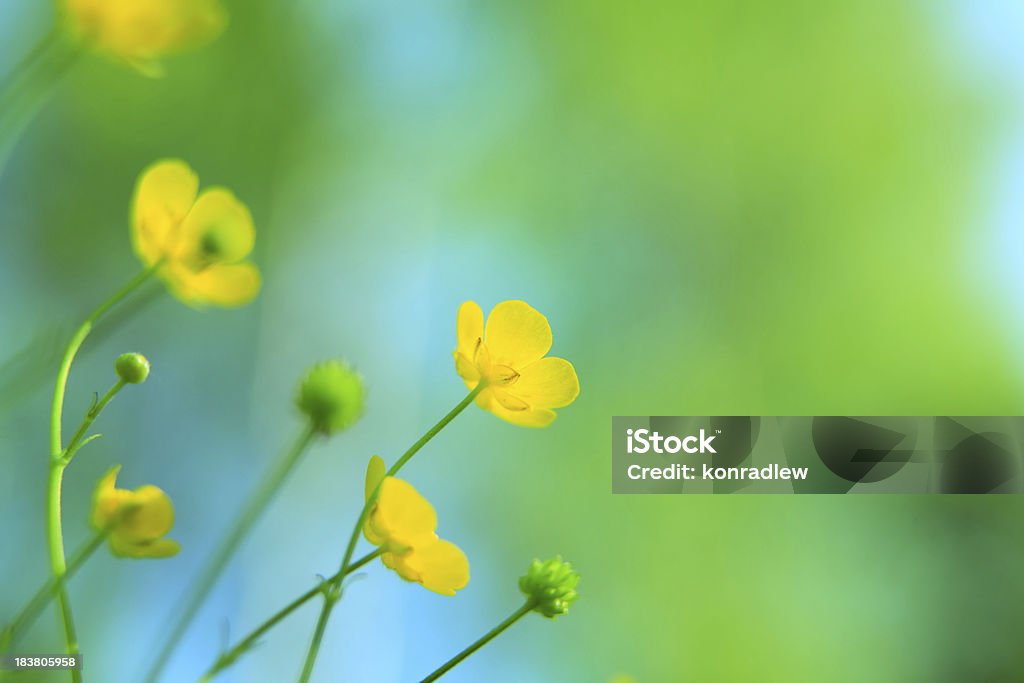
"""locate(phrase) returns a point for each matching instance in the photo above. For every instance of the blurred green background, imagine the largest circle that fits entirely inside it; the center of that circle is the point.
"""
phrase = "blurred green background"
(723, 208)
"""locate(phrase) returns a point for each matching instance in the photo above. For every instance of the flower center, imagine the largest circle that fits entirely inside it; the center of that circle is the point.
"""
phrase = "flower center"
(494, 374)
(212, 245)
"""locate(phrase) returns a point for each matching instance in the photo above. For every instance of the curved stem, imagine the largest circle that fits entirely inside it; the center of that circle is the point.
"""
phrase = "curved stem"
(229, 657)
(329, 602)
(75, 344)
(486, 638)
(252, 510)
(47, 592)
(54, 530)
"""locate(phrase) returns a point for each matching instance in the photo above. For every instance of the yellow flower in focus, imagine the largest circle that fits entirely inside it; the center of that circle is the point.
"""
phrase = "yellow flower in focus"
(201, 240)
(404, 524)
(141, 32)
(136, 520)
(522, 385)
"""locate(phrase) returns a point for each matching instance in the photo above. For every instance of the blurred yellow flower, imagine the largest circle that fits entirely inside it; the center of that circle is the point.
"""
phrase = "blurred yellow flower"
(136, 520)
(201, 241)
(403, 524)
(142, 31)
(522, 385)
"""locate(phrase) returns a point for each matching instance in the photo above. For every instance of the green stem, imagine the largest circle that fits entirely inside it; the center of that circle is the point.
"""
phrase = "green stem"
(28, 85)
(229, 657)
(252, 510)
(90, 417)
(432, 432)
(47, 592)
(330, 601)
(486, 638)
(54, 531)
(22, 70)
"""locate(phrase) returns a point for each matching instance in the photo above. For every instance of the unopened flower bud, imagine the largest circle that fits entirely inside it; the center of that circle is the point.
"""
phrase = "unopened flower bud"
(132, 368)
(332, 396)
(551, 586)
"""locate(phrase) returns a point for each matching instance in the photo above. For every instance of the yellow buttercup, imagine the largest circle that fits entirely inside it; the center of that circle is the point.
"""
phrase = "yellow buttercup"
(198, 241)
(522, 384)
(403, 523)
(137, 521)
(141, 32)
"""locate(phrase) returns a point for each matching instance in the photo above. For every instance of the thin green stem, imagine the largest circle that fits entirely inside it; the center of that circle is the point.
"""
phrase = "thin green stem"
(432, 432)
(90, 417)
(244, 645)
(252, 510)
(54, 530)
(47, 592)
(329, 599)
(28, 85)
(486, 638)
(22, 71)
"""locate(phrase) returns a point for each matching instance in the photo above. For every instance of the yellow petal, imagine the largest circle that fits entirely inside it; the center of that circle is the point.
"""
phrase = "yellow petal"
(375, 471)
(151, 515)
(164, 194)
(508, 401)
(228, 285)
(155, 549)
(218, 229)
(535, 417)
(107, 499)
(137, 30)
(441, 567)
(469, 328)
(402, 516)
(517, 334)
(547, 383)
(467, 370)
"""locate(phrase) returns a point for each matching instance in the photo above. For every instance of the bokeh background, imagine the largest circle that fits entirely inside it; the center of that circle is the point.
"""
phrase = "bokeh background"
(723, 208)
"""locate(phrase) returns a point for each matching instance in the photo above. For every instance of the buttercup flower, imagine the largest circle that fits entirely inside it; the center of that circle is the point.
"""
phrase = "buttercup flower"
(141, 32)
(137, 520)
(404, 524)
(523, 386)
(201, 241)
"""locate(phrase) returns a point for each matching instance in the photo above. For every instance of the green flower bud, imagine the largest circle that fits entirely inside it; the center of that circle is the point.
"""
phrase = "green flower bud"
(132, 368)
(551, 586)
(331, 395)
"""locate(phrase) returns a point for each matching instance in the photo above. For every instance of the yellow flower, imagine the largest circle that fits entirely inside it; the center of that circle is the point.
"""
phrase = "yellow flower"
(201, 241)
(522, 385)
(403, 523)
(136, 520)
(142, 31)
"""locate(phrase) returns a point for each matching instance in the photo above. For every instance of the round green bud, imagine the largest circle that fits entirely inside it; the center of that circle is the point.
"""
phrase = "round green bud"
(332, 396)
(550, 586)
(132, 368)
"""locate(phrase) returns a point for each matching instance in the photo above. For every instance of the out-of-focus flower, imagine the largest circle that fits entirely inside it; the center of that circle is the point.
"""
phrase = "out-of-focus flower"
(141, 32)
(403, 523)
(199, 240)
(137, 521)
(550, 586)
(522, 385)
(332, 396)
